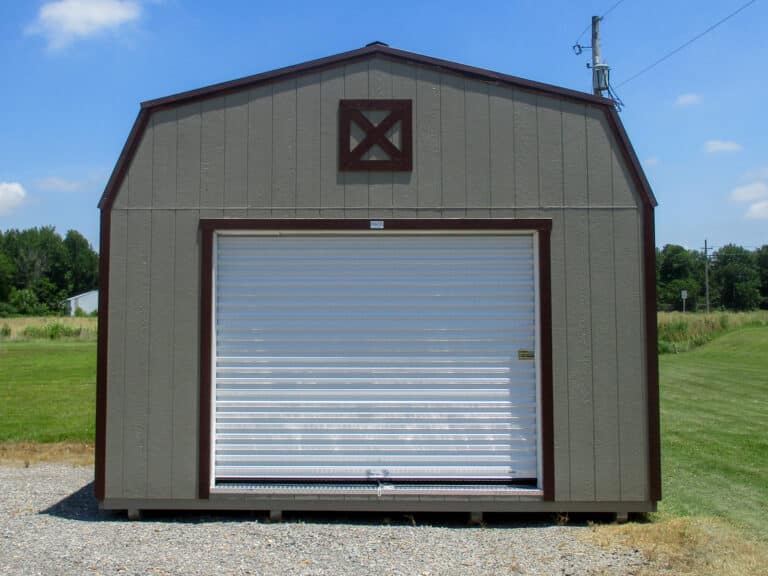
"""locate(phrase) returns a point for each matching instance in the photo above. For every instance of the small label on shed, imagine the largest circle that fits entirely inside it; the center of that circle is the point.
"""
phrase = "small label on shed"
(526, 355)
(377, 224)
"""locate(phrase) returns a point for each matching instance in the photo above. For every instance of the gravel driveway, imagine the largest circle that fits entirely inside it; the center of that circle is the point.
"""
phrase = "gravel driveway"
(50, 524)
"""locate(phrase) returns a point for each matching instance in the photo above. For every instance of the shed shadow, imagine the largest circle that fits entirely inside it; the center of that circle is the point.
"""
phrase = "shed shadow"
(80, 505)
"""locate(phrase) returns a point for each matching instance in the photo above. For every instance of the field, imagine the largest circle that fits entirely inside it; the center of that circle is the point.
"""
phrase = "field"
(714, 417)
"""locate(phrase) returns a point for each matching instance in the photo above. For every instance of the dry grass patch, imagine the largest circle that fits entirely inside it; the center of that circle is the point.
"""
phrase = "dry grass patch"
(689, 546)
(28, 453)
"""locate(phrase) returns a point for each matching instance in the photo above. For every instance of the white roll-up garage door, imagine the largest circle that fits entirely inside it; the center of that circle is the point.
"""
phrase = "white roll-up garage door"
(375, 357)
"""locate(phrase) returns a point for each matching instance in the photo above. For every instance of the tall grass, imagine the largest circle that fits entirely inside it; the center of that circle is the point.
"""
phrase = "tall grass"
(680, 332)
(48, 328)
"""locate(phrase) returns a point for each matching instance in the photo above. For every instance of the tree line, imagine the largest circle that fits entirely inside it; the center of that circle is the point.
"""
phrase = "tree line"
(738, 278)
(39, 270)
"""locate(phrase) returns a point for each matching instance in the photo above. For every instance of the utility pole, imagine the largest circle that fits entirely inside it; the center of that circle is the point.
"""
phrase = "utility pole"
(706, 272)
(596, 55)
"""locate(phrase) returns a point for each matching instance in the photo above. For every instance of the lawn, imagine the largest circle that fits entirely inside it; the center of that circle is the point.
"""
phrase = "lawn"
(714, 417)
(47, 391)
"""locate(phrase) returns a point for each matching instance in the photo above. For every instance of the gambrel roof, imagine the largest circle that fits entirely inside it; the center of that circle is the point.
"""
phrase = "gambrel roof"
(380, 50)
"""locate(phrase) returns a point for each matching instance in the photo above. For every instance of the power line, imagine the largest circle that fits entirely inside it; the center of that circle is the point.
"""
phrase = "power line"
(691, 41)
(601, 17)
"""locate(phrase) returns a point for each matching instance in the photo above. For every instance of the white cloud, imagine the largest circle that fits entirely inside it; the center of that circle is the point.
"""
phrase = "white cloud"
(12, 194)
(758, 211)
(56, 184)
(64, 21)
(689, 99)
(716, 146)
(651, 161)
(750, 192)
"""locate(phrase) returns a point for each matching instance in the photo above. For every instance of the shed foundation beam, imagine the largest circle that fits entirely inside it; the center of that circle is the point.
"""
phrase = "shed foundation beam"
(134, 514)
(475, 518)
(275, 515)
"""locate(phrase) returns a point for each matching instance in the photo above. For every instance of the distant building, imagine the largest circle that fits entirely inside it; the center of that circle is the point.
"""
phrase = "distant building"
(87, 302)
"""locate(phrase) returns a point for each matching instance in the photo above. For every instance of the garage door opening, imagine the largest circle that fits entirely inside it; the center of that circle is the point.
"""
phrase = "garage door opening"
(406, 360)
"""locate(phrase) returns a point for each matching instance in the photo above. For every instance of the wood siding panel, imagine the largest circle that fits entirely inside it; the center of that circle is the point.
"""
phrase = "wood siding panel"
(428, 143)
(574, 154)
(550, 152)
(502, 143)
(260, 152)
(135, 425)
(405, 188)
(185, 355)
(236, 151)
(453, 145)
(630, 342)
(526, 151)
(165, 128)
(624, 193)
(161, 368)
(355, 183)
(140, 172)
(560, 375)
(579, 333)
(188, 160)
(212, 152)
(115, 441)
(331, 181)
(380, 183)
(284, 151)
(309, 146)
(604, 363)
(478, 130)
(599, 170)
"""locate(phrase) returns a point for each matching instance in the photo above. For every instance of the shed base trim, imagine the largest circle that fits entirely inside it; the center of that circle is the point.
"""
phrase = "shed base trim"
(510, 504)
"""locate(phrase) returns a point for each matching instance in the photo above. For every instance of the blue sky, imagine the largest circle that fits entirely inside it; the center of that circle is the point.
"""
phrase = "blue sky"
(76, 70)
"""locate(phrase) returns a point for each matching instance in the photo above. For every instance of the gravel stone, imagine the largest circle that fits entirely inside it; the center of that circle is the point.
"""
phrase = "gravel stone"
(50, 524)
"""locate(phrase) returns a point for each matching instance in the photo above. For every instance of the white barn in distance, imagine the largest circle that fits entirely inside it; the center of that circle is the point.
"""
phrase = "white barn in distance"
(378, 281)
(88, 302)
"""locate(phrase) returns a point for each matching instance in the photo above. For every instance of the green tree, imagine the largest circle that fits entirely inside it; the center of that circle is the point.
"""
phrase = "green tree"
(761, 259)
(83, 263)
(735, 276)
(678, 269)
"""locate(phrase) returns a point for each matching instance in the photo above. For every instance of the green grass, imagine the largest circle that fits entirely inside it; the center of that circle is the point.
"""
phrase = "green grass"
(714, 417)
(47, 391)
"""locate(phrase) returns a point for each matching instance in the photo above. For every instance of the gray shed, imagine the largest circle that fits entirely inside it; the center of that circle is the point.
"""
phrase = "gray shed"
(378, 281)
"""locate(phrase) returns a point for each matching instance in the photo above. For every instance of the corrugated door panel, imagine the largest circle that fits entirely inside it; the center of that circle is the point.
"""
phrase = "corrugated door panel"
(375, 357)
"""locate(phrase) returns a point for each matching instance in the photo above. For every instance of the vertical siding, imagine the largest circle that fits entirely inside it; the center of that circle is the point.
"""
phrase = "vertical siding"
(161, 366)
(165, 149)
(502, 153)
(405, 185)
(427, 148)
(185, 355)
(236, 150)
(260, 152)
(188, 160)
(136, 399)
(526, 156)
(380, 183)
(478, 144)
(113, 481)
(284, 149)
(453, 145)
(479, 150)
(308, 146)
